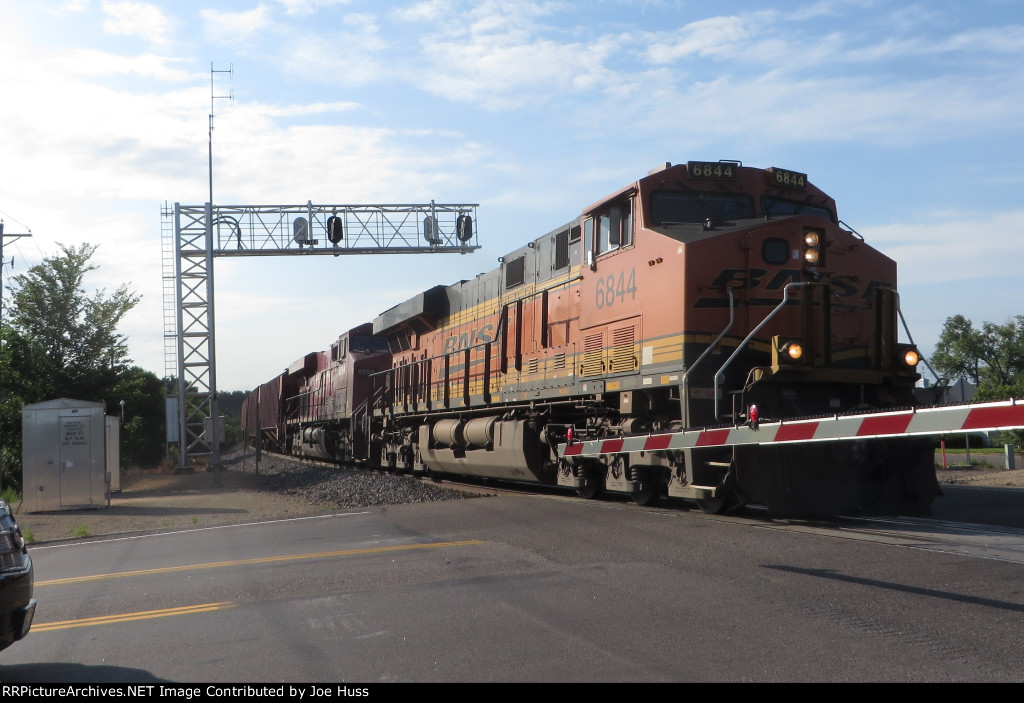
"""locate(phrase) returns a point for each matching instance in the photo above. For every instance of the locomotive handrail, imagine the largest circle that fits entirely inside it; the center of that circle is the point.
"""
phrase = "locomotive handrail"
(742, 344)
(852, 231)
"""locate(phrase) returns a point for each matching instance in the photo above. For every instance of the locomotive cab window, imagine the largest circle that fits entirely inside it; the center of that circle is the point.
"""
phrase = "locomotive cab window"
(365, 343)
(677, 207)
(340, 348)
(611, 228)
(781, 207)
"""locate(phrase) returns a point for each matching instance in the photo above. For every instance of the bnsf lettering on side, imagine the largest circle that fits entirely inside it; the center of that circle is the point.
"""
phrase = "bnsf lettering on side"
(469, 338)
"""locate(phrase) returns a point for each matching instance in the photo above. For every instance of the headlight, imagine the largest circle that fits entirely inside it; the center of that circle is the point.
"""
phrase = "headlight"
(789, 352)
(906, 358)
(813, 241)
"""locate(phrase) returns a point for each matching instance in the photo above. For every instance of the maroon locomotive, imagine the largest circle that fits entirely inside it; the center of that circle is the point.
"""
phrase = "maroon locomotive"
(317, 407)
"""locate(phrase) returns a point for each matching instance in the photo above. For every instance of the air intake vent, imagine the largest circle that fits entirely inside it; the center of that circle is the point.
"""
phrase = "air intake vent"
(561, 249)
(515, 272)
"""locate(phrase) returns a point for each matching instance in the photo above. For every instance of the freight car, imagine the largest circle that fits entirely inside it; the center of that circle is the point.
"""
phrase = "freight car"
(703, 294)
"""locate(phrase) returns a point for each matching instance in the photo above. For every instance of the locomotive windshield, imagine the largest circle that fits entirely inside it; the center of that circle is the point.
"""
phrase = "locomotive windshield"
(776, 207)
(673, 207)
(368, 344)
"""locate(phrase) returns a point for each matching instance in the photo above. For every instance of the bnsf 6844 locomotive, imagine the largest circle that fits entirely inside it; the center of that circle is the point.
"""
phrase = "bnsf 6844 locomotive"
(703, 294)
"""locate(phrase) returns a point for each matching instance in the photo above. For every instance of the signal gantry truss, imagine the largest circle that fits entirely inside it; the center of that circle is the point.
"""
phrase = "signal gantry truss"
(194, 235)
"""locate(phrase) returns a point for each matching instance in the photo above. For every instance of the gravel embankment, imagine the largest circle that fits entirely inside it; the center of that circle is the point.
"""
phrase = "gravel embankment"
(319, 484)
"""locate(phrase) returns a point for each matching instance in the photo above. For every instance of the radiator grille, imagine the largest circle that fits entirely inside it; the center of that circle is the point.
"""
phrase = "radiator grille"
(593, 351)
(622, 357)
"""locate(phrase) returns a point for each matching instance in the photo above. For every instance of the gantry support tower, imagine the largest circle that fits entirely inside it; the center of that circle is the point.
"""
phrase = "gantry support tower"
(193, 236)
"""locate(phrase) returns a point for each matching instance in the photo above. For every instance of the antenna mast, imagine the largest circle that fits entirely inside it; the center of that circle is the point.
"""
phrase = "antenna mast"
(213, 97)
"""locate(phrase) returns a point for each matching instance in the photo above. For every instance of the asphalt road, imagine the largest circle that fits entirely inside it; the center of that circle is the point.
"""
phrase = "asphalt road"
(517, 589)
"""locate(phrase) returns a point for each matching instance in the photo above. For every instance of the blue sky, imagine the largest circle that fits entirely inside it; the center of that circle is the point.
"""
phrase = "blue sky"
(910, 114)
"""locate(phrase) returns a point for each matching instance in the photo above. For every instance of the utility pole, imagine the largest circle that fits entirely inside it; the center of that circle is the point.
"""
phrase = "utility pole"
(4, 236)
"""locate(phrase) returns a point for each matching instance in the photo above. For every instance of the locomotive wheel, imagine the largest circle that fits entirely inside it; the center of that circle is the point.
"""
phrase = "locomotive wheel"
(647, 490)
(592, 485)
(713, 506)
(590, 489)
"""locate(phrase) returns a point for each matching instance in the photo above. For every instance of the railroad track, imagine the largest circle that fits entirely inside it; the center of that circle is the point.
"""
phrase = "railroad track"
(944, 536)
(966, 539)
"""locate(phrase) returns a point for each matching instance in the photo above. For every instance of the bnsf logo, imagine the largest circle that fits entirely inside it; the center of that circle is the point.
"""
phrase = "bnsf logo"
(469, 338)
(748, 279)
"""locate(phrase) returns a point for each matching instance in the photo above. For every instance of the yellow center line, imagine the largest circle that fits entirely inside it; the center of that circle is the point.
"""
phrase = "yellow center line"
(259, 560)
(129, 617)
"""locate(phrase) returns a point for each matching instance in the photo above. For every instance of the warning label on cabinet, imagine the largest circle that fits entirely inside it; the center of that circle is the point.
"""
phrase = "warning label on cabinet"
(74, 434)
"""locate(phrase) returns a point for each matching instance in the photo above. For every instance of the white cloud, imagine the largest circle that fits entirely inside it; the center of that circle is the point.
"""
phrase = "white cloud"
(500, 57)
(955, 247)
(500, 77)
(303, 110)
(236, 28)
(716, 36)
(429, 11)
(91, 62)
(72, 7)
(136, 19)
(307, 7)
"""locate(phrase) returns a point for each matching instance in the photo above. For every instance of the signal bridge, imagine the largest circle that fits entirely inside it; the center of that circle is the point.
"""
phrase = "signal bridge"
(194, 235)
(274, 230)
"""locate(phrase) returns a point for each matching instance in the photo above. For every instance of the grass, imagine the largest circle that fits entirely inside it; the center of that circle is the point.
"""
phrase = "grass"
(982, 458)
(81, 530)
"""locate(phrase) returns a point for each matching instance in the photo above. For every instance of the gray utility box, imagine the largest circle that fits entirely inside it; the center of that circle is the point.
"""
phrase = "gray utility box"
(64, 457)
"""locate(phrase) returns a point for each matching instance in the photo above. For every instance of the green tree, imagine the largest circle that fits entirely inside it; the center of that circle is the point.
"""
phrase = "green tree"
(229, 404)
(992, 358)
(62, 342)
(143, 433)
(71, 336)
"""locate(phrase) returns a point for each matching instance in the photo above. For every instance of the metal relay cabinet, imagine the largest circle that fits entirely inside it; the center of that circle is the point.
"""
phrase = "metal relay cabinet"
(64, 455)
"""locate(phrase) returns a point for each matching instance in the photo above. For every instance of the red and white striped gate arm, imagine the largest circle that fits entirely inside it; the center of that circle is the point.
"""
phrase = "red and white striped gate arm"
(980, 417)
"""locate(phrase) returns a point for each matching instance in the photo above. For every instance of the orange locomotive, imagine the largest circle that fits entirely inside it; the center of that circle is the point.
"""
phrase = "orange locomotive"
(702, 294)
